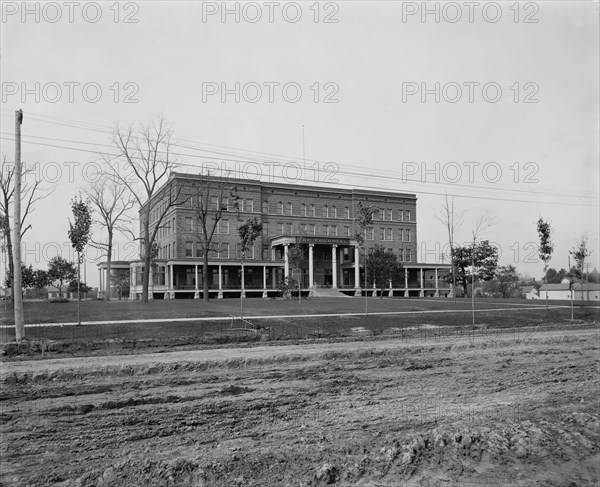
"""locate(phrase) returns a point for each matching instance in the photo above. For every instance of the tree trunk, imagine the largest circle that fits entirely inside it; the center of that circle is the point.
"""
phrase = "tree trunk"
(205, 275)
(11, 264)
(108, 267)
(146, 276)
(78, 288)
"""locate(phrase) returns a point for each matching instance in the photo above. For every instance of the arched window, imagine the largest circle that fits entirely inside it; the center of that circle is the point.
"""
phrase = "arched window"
(325, 211)
(279, 208)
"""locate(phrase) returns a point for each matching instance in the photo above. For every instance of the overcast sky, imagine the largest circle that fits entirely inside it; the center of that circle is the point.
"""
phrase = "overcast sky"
(495, 103)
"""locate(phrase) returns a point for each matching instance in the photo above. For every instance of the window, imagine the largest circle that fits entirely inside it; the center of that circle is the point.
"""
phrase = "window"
(333, 230)
(325, 229)
(189, 224)
(408, 255)
(303, 228)
(400, 213)
(289, 228)
(333, 212)
(279, 229)
(386, 234)
(288, 208)
(279, 208)
(189, 249)
(224, 250)
(401, 255)
(248, 205)
(312, 210)
(199, 252)
(303, 209)
(223, 227)
(346, 231)
(214, 203)
(312, 229)
(407, 235)
(265, 207)
(407, 215)
(383, 213)
(325, 212)
(347, 212)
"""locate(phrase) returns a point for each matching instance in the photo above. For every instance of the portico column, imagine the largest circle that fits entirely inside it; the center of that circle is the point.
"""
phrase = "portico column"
(311, 271)
(265, 294)
(357, 270)
(334, 266)
(406, 283)
(437, 288)
(391, 291)
(220, 294)
(171, 283)
(422, 291)
(286, 272)
(196, 293)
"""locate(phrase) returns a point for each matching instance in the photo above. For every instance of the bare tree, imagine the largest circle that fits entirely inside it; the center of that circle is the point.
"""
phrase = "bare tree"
(113, 202)
(213, 198)
(31, 193)
(146, 165)
(452, 220)
(485, 221)
(365, 219)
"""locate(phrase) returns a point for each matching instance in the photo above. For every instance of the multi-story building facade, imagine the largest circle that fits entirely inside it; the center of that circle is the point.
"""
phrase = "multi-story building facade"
(322, 219)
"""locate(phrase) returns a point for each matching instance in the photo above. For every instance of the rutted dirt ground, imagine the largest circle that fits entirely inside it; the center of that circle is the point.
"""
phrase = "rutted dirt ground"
(499, 412)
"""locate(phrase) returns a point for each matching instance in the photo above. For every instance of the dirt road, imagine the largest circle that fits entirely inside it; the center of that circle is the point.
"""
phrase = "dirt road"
(487, 412)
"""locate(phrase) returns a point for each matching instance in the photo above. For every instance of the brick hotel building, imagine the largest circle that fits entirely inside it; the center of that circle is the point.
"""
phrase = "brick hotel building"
(322, 218)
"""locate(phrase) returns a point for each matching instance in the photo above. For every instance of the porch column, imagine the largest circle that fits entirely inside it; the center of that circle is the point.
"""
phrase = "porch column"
(391, 291)
(422, 291)
(437, 287)
(334, 266)
(406, 283)
(101, 288)
(151, 284)
(196, 293)
(243, 284)
(265, 294)
(171, 283)
(286, 272)
(311, 271)
(220, 295)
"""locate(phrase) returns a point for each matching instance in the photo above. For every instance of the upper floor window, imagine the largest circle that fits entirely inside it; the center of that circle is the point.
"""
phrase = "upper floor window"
(223, 227)
(288, 208)
(370, 233)
(279, 228)
(247, 205)
(407, 216)
(279, 208)
(303, 209)
(347, 212)
(333, 212)
(289, 228)
(312, 210)
(325, 211)
(189, 224)
(265, 207)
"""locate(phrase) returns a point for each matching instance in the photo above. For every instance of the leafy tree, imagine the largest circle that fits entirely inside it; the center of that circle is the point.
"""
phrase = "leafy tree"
(580, 253)
(506, 282)
(30, 278)
(79, 234)
(297, 255)
(481, 265)
(286, 286)
(545, 248)
(77, 286)
(60, 271)
(249, 231)
(383, 266)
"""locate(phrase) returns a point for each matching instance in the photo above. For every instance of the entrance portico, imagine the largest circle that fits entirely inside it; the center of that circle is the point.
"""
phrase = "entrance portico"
(329, 261)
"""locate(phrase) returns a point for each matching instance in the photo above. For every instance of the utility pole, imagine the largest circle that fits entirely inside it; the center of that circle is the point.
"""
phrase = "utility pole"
(17, 294)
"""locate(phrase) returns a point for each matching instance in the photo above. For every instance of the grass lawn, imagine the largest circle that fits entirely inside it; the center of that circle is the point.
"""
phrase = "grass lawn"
(415, 313)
